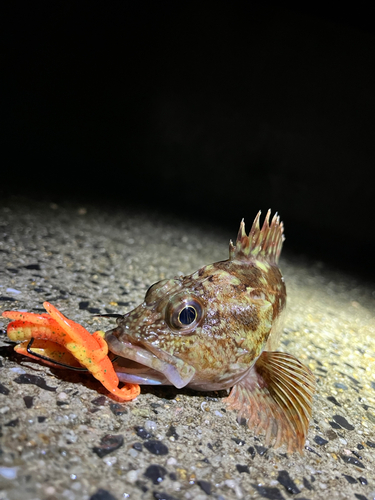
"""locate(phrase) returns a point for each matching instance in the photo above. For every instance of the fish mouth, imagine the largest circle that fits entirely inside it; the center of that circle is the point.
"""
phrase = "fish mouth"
(145, 364)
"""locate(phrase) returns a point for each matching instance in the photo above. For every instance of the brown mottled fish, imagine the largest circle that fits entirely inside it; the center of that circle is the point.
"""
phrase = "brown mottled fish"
(218, 328)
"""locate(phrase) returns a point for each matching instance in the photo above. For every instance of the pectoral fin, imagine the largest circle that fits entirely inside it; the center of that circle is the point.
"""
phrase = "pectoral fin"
(275, 397)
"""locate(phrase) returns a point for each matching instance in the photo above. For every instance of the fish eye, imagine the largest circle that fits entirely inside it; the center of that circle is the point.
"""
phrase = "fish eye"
(184, 313)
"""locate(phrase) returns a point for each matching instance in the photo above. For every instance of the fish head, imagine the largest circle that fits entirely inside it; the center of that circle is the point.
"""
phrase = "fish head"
(203, 330)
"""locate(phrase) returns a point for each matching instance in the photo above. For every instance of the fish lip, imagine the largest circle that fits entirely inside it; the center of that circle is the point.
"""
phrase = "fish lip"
(174, 369)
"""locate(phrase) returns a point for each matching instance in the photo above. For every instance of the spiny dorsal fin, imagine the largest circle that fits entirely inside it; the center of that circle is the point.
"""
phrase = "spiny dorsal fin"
(265, 243)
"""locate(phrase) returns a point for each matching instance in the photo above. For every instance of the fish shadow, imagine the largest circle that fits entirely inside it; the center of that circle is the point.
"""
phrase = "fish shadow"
(170, 392)
(167, 392)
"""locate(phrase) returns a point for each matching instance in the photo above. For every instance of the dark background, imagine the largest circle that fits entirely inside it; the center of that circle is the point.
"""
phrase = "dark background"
(208, 110)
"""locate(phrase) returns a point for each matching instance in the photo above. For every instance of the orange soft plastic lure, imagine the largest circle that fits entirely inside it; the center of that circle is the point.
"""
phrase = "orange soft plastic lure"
(59, 340)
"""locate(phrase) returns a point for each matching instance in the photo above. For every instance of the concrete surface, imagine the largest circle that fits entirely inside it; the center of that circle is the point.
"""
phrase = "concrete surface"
(170, 443)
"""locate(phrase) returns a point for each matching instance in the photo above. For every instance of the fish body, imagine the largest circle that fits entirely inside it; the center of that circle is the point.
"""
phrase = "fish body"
(218, 328)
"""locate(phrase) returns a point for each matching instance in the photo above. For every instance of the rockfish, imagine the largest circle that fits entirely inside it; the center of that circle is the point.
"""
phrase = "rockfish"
(218, 328)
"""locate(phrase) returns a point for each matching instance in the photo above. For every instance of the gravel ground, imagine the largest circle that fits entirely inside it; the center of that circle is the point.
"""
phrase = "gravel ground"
(167, 443)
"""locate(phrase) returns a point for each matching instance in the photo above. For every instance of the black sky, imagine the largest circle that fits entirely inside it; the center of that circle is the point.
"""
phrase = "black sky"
(208, 110)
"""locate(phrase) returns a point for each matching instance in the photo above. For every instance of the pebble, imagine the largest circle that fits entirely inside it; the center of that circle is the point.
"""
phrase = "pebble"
(13, 423)
(267, 492)
(331, 434)
(156, 447)
(261, 450)
(108, 444)
(110, 460)
(352, 460)
(240, 442)
(150, 425)
(118, 409)
(334, 425)
(333, 400)
(339, 385)
(29, 401)
(288, 483)
(69, 495)
(133, 453)
(102, 495)
(99, 401)
(156, 473)
(339, 419)
(307, 484)
(350, 479)
(205, 486)
(320, 441)
(234, 486)
(159, 495)
(132, 476)
(172, 433)
(242, 468)
(142, 432)
(4, 390)
(251, 450)
(9, 472)
(17, 369)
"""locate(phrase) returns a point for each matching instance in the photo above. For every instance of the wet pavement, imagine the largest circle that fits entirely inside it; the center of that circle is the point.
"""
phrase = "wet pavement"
(62, 437)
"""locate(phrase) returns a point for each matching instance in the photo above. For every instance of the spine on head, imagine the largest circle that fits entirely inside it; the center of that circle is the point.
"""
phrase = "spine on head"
(264, 244)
